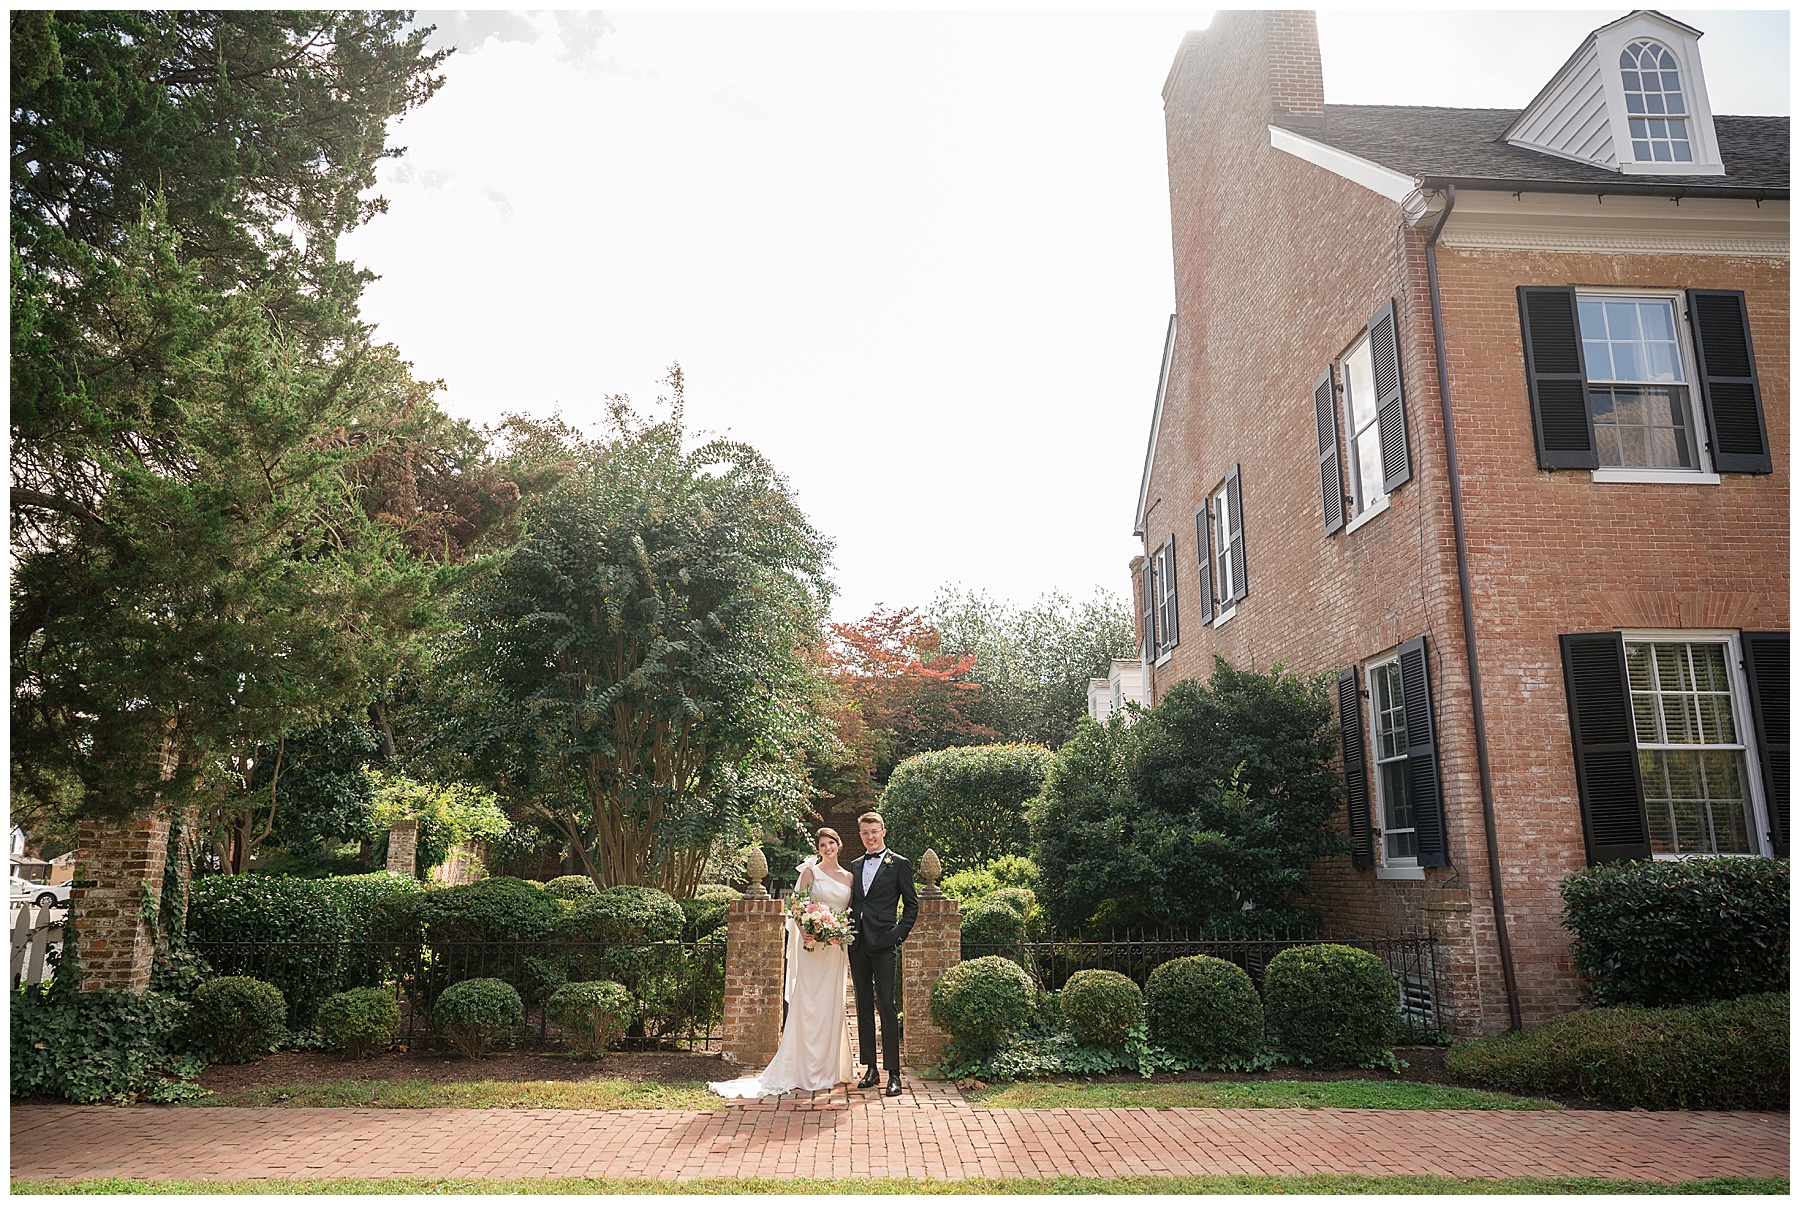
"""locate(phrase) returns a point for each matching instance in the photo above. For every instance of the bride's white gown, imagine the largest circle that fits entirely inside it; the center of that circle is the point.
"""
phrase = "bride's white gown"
(815, 1042)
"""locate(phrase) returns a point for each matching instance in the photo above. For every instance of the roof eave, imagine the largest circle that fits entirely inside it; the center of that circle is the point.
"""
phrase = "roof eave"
(1623, 187)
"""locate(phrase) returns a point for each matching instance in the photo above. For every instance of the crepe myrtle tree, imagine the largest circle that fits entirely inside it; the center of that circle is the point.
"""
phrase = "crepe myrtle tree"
(637, 672)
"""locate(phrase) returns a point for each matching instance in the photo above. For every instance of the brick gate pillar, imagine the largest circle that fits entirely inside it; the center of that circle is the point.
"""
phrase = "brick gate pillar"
(933, 947)
(403, 847)
(119, 876)
(751, 1029)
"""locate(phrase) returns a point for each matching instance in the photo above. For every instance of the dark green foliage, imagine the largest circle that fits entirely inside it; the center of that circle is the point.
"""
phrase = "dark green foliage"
(1667, 933)
(632, 921)
(1205, 1010)
(1101, 1007)
(476, 1013)
(100, 1046)
(359, 1020)
(1220, 795)
(991, 924)
(982, 1002)
(243, 1018)
(968, 803)
(623, 915)
(1331, 1005)
(363, 896)
(495, 909)
(592, 1016)
(1729, 1054)
(706, 912)
(270, 908)
(969, 887)
(570, 887)
(323, 790)
(178, 969)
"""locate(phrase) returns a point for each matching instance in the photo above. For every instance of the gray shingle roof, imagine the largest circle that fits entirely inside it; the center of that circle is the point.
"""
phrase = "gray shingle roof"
(1463, 145)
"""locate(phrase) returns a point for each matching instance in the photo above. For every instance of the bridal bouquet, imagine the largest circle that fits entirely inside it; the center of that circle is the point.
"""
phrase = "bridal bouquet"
(820, 924)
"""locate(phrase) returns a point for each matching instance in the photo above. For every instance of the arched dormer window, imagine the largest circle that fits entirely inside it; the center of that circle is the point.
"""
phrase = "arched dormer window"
(1654, 106)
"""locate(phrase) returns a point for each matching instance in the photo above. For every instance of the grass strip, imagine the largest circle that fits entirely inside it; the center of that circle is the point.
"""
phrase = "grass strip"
(1059, 1186)
(1271, 1094)
(472, 1094)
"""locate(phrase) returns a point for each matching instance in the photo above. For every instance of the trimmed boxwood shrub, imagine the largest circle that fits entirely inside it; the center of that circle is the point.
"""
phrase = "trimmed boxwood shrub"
(474, 1014)
(359, 1020)
(592, 1016)
(1331, 1005)
(1204, 1009)
(363, 895)
(993, 924)
(1668, 933)
(630, 920)
(274, 908)
(982, 1002)
(1729, 1054)
(706, 911)
(243, 1018)
(570, 887)
(1101, 1007)
(495, 909)
(967, 802)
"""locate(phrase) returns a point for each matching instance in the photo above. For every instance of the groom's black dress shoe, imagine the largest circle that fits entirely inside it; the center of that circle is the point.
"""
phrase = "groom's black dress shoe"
(870, 1078)
(893, 1088)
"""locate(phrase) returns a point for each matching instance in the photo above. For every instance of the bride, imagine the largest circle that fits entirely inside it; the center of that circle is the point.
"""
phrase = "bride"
(815, 1042)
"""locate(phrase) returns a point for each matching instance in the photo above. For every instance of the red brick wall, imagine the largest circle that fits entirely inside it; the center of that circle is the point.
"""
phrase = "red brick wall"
(120, 864)
(933, 947)
(750, 1031)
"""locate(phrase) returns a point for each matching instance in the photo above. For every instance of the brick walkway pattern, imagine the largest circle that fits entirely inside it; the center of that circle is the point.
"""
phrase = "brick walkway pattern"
(929, 1132)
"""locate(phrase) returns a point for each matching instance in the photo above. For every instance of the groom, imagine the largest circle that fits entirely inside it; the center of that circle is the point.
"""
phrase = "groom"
(880, 882)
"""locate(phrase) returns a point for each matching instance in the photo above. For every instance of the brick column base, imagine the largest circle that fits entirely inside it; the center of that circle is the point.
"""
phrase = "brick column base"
(933, 947)
(751, 1030)
(1448, 913)
(120, 866)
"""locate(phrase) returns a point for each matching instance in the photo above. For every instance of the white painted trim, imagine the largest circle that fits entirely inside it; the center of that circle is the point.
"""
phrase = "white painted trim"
(1498, 219)
(1380, 508)
(1645, 244)
(1162, 387)
(1656, 476)
(1373, 176)
(1413, 873)
(1221, 618)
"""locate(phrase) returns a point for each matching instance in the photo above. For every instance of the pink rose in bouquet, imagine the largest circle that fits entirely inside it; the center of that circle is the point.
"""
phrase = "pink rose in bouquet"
(820, 924)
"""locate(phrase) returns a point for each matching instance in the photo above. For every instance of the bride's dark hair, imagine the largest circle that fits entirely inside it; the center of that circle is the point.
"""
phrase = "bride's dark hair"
(828, 832)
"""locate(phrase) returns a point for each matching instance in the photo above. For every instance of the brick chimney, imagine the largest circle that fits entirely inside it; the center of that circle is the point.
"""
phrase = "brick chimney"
(1296, 81)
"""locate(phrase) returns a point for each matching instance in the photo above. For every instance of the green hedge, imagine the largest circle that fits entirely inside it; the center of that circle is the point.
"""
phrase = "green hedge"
(1727, 1055)
(476, 1013)
(981, 1003)
(276, 908)
(358, 1021)
(592, 1016)
(570, 887)
(1331, 1005)
(494, 909)
(1668, 933)
(1205, 1010)
(968, 803)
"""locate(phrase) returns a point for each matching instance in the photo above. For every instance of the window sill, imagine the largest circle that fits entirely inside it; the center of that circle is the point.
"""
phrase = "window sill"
(1378, 509)
(1163, 657)
(1224, 617)
(1414, 874)
(1657, 476)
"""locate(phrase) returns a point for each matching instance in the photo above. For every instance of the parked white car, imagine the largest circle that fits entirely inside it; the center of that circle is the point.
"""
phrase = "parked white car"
(44, 895)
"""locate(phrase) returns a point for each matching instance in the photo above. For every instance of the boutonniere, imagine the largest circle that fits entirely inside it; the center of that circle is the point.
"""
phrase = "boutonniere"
(886, 860)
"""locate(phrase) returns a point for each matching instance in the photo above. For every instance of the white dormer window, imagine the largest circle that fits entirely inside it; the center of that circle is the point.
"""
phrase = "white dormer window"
(1656, 114)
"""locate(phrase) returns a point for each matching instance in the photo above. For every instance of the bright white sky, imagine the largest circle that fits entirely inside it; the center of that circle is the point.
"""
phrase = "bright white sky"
(920, 260)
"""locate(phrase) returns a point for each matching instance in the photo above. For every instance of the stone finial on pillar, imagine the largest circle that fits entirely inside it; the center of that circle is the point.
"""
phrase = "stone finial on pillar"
(930, 870)
(750, 1031)
(403, 848)
(933, 947)
(756, 869)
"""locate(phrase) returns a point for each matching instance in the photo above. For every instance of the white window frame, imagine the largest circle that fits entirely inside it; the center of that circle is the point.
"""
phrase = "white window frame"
(1160, 577)
(1685, 117)
(1385, 866)
(1741, 715)
(1224, 606)
(1366, 499)
(1702, 473)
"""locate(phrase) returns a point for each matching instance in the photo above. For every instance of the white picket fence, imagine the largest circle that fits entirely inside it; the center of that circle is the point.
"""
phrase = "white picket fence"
(35, 933)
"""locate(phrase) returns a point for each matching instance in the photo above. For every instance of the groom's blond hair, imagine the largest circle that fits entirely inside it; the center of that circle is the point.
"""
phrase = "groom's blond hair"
(871, 818)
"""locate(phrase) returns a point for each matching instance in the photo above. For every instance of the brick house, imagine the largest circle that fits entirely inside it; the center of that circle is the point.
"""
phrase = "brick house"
(1451, 379)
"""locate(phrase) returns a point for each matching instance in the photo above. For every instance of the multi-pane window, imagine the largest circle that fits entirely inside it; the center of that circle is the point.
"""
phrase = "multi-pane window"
(1691, 750)
(1224, 587)
(1166, 619)
(1654, 107)
(1387, 706)
(1638, 383)
(1365, 432)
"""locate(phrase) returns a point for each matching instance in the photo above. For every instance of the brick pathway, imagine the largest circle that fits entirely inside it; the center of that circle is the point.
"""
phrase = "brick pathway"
(929, 1132)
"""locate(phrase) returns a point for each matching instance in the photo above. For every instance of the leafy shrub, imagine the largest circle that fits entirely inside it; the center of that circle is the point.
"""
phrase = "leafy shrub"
(475, 1013)
(363, 895)
(970, 887)
(178, 969)
(570, 887)
(243, 1018)
(1205, 1010)
(631, 921)
(979, 1003)
(991, 924)
(623, 915)
(359, 1020)
(1331, 1005)
(1729, 1054)
(1022, 900)
(495, 909)
(967, 802)
(592, 1016)
(103, 1046)
(1101, 1007)
(706, 911)
(274, 908)
(1667, 933)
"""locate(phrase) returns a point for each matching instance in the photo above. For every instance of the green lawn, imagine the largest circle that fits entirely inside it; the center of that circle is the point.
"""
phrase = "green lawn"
(1062, 1185)
(1271, 1094)
(474, 1094)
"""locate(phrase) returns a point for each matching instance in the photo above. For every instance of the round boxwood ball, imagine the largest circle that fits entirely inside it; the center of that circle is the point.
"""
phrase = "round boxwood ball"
(1205, 1009)
(1101, 1007)
(979, 1003)
(570, 887)
(474, 1013)
(592, 1015)
(243, 1017)
(359, 1020)
(988, 924)
(1330, 1005)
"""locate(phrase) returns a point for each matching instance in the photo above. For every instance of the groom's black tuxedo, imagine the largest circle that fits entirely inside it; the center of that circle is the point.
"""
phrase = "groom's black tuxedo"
(884, 915)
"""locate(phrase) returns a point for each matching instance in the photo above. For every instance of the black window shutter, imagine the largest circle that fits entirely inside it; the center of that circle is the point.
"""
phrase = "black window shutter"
(1728, 386)
(1766, 668)
(1147, 583)
(1356, 780)
(1390, 407)
(1613, 819)
(1556, 374)
(1331, 473)
(1172, 637)
(1234, 499)
(1421, 756)
(1203, 543)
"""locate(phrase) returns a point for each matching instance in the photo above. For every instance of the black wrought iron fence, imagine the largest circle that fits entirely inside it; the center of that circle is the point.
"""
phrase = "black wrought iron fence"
(1411, 957)
(680, 986)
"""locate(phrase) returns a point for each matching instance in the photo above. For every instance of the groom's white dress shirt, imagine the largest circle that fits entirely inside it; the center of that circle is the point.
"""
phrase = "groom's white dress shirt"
(871, 864)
